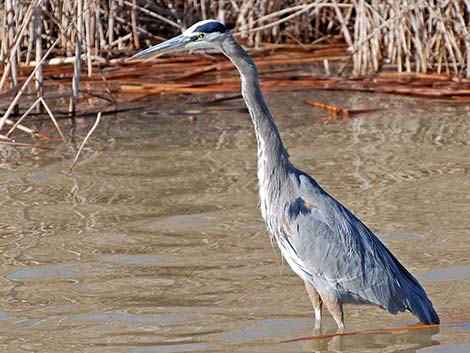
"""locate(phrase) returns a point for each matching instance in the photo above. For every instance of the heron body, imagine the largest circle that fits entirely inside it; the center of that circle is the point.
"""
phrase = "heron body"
(332, 251)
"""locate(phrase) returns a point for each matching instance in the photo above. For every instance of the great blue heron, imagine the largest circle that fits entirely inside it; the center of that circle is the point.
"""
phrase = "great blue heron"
(337, 256)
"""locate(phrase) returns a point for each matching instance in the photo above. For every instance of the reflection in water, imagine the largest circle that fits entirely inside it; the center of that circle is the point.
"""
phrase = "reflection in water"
(454, 348)
(31, 273)
(400, 342)
(156, 244)
(448, 273)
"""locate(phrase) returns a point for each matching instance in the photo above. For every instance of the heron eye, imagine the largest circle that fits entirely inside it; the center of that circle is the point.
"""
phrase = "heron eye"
(200, 36)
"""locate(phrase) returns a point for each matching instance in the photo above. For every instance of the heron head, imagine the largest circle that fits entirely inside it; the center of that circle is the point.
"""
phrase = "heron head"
(201, 35)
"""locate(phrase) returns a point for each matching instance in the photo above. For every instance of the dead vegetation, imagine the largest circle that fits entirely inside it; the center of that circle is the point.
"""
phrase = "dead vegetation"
(394, 46)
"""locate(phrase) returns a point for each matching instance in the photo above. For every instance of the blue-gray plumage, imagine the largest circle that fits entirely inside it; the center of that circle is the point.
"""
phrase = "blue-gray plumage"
(337, 256)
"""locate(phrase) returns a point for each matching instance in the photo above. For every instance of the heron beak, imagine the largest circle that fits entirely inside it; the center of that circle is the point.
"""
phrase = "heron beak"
(169, 46)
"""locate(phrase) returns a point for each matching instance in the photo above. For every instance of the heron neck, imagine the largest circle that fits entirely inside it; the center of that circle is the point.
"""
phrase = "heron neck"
(270, 147)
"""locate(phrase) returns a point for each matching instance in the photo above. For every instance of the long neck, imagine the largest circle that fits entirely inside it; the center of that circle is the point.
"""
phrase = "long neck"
(273, 159)
(271, 151)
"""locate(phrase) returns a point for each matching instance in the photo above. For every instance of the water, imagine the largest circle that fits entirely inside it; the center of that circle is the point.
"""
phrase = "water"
(155, 243)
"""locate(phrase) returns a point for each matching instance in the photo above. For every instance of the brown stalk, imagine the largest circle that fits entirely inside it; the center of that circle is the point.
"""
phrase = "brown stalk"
(335, 111)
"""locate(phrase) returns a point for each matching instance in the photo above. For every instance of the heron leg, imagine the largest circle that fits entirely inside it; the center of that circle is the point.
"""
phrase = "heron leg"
(316, 303)
(335, 307)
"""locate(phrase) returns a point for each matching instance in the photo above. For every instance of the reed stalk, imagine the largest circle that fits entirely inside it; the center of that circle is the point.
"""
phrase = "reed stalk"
(38, 53)
(85, 140)
(11, 40)
(78, 53)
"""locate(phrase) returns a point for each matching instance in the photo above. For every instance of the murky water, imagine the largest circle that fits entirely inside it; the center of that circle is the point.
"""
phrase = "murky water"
(155, 243)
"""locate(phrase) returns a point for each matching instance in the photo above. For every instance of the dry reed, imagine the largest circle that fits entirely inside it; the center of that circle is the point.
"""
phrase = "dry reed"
(90, 132)
(424, 36)
(421, 36)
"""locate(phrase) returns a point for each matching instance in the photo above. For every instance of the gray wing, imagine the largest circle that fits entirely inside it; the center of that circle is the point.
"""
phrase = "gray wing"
(342, 255)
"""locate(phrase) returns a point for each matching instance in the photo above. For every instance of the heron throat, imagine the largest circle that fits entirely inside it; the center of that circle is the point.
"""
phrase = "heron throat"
(273, 159)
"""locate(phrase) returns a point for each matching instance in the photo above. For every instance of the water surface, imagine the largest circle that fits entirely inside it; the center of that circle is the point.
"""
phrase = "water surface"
(155, 243)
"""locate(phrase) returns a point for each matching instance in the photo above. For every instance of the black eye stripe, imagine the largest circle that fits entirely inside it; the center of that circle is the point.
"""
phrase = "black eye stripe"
(198, 36)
